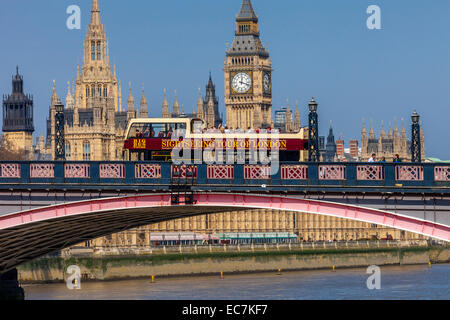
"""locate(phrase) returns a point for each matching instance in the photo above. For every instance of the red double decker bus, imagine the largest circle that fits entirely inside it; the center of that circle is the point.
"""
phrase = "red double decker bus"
(154, 139)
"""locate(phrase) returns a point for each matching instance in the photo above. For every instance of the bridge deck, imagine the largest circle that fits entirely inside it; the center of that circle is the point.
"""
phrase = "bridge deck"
(287, 177)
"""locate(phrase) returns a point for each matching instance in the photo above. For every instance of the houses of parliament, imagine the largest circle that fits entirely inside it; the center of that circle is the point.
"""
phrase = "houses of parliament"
(95, 124)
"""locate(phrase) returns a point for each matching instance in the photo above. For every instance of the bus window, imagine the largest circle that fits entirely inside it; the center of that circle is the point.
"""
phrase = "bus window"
(178, 129)
(196, 126)
(159, 130)
(147, 133)
(136, 131)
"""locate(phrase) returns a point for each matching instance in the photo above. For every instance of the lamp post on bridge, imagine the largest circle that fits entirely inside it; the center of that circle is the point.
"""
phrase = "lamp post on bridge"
(313, 135)
(60, 148)
(416, 155)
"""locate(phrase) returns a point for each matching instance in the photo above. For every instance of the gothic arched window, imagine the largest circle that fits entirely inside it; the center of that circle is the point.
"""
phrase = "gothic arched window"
(86, 151)
(99, 50)
(105, 92)
(93, 50)
(87, 92)
(68, 152)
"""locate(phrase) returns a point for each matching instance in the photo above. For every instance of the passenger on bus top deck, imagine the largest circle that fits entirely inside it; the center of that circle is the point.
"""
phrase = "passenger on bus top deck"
(147, 132)
(169, 134)
(138, 134)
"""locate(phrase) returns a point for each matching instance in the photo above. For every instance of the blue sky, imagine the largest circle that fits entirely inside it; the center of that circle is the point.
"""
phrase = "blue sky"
(319, 48)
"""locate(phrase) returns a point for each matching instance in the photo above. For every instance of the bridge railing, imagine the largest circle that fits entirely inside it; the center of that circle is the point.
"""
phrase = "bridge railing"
(285, 175)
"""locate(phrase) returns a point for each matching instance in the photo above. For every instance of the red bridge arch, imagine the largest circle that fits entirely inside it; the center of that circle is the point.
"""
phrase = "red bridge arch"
(30, 234)
(234, 201)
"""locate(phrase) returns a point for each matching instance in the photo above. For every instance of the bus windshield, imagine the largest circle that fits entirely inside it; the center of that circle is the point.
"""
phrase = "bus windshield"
(154, 130)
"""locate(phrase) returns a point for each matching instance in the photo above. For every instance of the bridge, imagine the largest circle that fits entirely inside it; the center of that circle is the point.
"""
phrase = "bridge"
(48, 206)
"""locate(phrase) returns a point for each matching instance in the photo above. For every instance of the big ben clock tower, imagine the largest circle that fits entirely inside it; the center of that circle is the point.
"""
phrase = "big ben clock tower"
(248, 75)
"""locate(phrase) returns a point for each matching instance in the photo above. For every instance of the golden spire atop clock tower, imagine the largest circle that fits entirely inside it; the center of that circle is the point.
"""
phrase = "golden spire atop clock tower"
(248, 75)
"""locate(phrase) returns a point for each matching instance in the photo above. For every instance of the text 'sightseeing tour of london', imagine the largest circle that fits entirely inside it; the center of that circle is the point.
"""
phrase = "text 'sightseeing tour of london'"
(228, 178)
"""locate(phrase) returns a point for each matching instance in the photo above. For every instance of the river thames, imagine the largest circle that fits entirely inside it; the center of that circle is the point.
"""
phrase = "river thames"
(397, 282)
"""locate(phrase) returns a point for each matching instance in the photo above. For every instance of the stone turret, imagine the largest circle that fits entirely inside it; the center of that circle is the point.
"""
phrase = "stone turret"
(176, 106)
(143, 105)
(200, 107)
(288, 119)
(364, 138)
(69, 98)
(165, 107)
(131, 113)
(297, 123)
(210, 114)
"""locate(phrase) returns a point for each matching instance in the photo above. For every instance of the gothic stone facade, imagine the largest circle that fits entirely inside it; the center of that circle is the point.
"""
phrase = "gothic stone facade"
(95, 122)
(388, 145)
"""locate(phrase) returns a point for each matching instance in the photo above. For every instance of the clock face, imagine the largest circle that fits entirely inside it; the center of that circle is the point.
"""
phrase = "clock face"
(266, 83)
(242, 82)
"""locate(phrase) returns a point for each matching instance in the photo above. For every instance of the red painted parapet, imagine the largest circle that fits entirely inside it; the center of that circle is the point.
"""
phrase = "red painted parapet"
(442, 174)
(332, 172)
(76, 171)
(370, 173)
(373, 216)
(42, 170)
(409, 173)
(10, 170)
(256, 172)
(147, 171)
(112, 171)
(294, 172)
(220, 172)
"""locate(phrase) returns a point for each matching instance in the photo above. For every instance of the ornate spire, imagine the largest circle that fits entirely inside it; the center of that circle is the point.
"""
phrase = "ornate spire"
(395, 128)
(130, 96)
(69, 97)
(297, 124)
(130, 105)
(288, 117)
(55, 97)
(17, 82)
(200, 107)
(210, 113)
(120, 96)
(382, 133)
(210, 82)
(176, 105)
(165, 106)
(403, 128)
(95, 13)
(371, 132)
(144, 104)
(246, 13)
